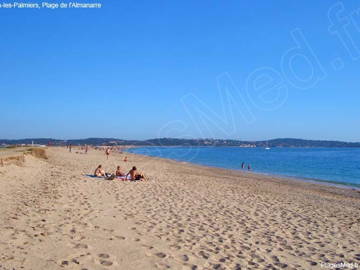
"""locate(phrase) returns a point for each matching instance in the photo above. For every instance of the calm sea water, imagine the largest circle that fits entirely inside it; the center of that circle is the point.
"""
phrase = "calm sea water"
(334, 165)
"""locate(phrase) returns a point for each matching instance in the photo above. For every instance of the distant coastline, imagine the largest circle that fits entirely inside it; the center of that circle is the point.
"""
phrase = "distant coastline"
(281, 142)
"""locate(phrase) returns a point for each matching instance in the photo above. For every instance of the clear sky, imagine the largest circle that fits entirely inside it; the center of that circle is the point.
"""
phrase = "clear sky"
(145, 69)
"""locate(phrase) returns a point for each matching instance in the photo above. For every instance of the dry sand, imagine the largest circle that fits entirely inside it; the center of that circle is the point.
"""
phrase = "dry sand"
(185, 217)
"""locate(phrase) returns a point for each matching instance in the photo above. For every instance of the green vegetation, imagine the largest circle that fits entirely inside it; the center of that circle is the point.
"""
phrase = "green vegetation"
(286, 142)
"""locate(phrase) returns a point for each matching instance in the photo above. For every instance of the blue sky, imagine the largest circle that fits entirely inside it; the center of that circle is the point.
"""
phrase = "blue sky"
(140, 69)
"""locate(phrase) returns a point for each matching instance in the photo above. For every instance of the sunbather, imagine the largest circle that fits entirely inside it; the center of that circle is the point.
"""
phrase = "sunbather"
(118, 172)
(99, 171)
(134, 175)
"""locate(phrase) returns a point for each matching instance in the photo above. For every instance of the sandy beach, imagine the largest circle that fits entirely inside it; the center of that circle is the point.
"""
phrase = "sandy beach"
(53, 216)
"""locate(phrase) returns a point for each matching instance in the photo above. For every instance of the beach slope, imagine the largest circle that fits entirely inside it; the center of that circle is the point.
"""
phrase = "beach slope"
(53, 216)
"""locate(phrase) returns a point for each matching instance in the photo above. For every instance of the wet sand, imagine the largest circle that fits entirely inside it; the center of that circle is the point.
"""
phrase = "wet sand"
(52, 216)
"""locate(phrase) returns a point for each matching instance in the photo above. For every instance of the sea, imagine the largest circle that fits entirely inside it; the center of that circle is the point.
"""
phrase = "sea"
(339, 166)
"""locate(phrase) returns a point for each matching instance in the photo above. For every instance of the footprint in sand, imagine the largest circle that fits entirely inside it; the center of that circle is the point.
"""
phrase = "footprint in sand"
(64, 263)
(106, 263)
(185, 258)
(104, 259)
(104, 256)
(160, 255)
(81, 246)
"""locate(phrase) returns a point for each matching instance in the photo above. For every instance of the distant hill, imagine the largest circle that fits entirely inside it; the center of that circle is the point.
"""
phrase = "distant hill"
(288, 142)
(284, 142)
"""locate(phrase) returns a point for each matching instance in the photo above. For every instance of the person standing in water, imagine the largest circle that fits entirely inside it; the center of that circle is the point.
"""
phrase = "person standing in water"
(249, 167)
(243, 165)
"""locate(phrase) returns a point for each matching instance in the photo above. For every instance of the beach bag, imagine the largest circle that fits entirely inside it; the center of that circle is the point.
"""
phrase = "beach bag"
(109, 176)
(138, 177)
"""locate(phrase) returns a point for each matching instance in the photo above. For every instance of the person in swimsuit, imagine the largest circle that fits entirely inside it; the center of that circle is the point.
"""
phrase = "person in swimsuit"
(107, 152)
(99, 171)
(134, 175)
(119, 172)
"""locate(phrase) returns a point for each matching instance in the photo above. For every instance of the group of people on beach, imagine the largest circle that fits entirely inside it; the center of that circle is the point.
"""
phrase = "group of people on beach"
(84, 149)
(132, 175)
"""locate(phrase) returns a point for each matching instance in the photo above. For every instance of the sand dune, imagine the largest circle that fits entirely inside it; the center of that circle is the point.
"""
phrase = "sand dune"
(52, 216)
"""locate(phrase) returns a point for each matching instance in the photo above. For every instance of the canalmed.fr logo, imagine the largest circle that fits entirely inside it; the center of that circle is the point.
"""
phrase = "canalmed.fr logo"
(339, 265)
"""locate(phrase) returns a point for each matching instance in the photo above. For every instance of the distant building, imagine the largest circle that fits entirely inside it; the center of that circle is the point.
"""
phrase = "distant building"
(247, 145)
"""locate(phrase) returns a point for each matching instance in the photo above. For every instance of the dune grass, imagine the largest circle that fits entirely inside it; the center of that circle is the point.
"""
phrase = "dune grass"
(37, 152)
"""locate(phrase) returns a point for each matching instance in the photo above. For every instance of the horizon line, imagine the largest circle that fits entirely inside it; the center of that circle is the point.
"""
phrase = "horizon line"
(143, 140)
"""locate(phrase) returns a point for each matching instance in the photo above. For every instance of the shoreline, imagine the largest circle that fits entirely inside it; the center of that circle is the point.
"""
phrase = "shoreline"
(282, 176)
(316, 186)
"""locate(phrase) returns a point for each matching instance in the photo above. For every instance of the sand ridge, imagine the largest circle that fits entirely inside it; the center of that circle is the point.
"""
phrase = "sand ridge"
(185, 217)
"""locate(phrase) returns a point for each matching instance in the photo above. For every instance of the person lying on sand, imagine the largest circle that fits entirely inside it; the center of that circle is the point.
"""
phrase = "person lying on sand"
(134, 175)
(119, 172)
(99, 171)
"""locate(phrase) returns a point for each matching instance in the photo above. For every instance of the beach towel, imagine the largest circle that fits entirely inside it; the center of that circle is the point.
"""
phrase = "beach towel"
(93, 176)
(128, 178)
(123, 177)
(106, 177)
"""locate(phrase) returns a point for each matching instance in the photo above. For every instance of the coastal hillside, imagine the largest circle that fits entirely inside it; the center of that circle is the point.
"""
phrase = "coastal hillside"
(283, 142)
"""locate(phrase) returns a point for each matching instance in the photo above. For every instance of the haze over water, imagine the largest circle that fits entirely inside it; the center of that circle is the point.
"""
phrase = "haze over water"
(334, 165)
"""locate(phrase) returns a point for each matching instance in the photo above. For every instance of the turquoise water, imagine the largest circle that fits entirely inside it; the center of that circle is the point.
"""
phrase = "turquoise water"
(334, 165)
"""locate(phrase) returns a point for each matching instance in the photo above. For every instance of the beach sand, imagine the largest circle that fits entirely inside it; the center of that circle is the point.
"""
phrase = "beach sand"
(52, 216)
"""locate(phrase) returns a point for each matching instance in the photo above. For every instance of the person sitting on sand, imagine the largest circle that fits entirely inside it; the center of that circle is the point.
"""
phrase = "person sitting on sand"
(99, 171)
(134, 175)
(119, 172)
